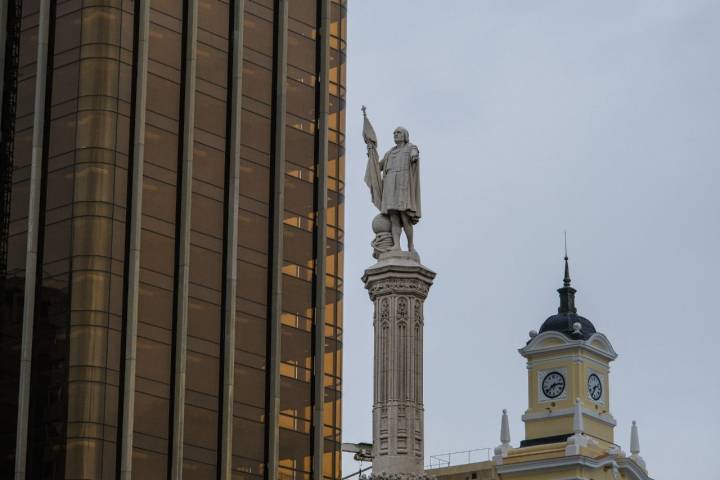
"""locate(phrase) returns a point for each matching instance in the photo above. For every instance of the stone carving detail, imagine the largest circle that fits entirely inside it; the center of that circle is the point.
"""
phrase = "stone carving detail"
(402, 309)
(384, 311)
(418, 446)
(383, 433)
(399, 286)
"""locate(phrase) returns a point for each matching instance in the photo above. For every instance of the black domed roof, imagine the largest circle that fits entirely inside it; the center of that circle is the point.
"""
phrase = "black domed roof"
(567, 317)
(564, 323)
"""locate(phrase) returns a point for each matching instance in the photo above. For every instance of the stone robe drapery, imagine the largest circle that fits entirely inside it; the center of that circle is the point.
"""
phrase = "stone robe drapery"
(401, 181)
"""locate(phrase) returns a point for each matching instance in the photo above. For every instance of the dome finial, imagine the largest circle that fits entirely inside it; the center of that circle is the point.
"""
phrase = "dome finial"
(566, 280)
(567, 293)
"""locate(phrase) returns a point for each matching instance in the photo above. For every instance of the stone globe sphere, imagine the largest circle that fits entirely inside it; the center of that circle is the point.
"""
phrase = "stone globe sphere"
(381, 224)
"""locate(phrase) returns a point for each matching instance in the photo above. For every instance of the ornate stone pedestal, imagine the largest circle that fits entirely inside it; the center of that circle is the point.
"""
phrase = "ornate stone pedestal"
(398, 285)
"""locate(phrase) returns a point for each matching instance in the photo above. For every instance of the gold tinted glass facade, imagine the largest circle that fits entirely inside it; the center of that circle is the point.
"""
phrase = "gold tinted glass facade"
(81, 340)
(253, 249)
(153, 387)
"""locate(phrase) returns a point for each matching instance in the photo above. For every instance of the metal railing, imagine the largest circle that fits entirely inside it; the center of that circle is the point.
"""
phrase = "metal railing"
(459, 458)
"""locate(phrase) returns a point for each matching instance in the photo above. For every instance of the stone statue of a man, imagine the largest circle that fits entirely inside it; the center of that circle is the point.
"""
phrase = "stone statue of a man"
(394, 184)
(401, 187)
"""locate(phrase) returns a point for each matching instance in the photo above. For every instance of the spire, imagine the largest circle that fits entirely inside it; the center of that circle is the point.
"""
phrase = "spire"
(567, 293)
(635, 446)
(505, 430)
(566, 280)
(634, 439)
(501, 451)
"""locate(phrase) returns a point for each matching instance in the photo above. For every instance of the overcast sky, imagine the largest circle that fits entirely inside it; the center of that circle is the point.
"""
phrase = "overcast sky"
(533, 117)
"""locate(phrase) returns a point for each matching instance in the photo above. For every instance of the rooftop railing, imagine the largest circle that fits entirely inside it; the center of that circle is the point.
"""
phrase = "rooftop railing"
(449, 459)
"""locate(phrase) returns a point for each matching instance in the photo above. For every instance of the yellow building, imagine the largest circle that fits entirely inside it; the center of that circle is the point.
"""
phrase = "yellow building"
(569, 427)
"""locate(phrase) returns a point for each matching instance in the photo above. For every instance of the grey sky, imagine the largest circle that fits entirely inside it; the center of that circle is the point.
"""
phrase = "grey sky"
(532, 117)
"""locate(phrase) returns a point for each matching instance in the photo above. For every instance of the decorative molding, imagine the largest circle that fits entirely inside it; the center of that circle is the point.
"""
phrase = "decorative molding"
(622, 464)
(629, 466)
(398, 287)
(418, 313)
(557, 342)
(573, 358)
(607, 419)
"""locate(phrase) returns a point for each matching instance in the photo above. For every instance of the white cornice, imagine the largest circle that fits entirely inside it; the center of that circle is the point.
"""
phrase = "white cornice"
(630, 465)
(573, 358)
(621, 463)
(568, 412)
(597, 343)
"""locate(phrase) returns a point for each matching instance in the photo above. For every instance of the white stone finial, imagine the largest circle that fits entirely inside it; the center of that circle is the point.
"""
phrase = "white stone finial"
(501, 451)
(635, 446)
(533, 333)
(578, 426)
(505, 430)
(634, 439)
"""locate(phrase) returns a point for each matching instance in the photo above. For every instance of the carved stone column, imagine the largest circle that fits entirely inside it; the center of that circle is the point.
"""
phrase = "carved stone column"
(398, 285)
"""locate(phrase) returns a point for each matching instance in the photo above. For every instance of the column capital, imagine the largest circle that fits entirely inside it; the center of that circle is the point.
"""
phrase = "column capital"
(398, 273)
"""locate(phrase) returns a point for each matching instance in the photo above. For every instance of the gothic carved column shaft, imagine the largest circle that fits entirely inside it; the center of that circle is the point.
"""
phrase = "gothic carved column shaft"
(398, 288)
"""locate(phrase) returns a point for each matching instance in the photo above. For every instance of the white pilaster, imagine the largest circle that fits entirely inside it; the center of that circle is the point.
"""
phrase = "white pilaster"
(579, 439)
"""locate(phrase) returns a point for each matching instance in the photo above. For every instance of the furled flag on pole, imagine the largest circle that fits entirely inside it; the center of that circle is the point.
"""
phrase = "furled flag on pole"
(372, 171)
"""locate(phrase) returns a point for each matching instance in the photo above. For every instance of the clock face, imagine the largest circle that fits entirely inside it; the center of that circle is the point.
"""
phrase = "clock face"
(594, 387)
(553, 385)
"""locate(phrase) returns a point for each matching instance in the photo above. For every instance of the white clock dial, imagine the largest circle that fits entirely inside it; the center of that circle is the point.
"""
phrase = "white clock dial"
(595, 388)
(553, 385)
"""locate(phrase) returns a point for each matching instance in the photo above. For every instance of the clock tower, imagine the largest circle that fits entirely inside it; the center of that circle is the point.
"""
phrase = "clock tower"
(568, 363)
(569, 430)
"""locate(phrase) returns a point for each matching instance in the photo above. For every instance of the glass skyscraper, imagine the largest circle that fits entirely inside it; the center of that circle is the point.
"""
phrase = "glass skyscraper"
(171, 236)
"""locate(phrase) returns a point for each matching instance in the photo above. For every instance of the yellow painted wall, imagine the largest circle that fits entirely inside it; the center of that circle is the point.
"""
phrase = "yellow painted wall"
(576, 378)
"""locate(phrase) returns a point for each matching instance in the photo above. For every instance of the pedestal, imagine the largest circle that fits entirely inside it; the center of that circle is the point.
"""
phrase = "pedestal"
(398, 286)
